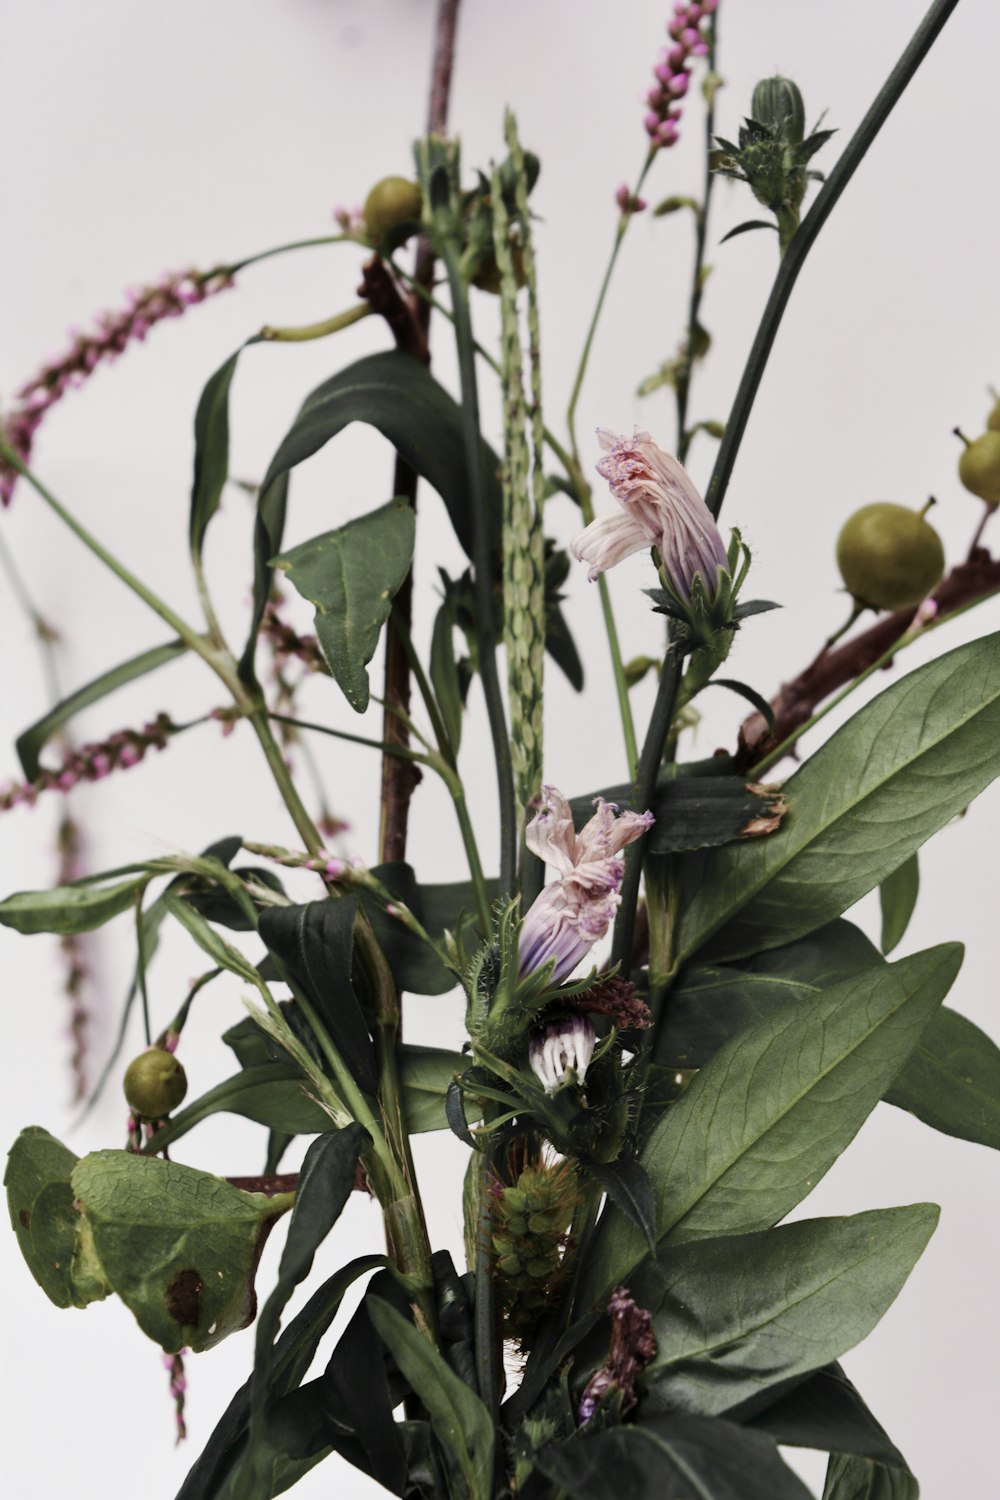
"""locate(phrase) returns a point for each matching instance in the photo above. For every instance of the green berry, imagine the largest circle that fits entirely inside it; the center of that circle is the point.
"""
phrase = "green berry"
(889, 557)
(391, 204)
(154, 1083)
(979, 465)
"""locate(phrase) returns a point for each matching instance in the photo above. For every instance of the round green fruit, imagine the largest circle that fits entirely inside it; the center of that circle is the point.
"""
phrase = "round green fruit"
(888, 556)
(979, 466)
(155, 1083)
(393, 202)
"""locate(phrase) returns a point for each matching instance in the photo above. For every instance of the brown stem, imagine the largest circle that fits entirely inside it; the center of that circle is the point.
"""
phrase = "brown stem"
(409, 320)
(797, 701)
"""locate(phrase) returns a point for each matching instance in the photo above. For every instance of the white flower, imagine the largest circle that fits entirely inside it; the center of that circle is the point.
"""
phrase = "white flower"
(561, 1049)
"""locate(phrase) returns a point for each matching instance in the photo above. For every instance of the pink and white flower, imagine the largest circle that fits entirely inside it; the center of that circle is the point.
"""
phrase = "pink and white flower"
(661, 508)
(575, 911)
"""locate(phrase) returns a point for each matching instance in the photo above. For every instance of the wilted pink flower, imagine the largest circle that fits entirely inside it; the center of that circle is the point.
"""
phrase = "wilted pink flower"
(688, 32)
(662, 509)
(632, 1346)
(575, 911)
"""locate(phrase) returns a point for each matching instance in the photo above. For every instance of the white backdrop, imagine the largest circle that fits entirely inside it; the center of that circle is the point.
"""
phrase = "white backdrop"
(140, 138)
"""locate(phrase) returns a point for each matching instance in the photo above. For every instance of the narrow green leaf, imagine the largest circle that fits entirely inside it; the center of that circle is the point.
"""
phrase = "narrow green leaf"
(444, 672)
(742, 690)
(32, 741)
(271, 1093)
(351, 576)
(774, 1109)
(211, 451)
(461, 1422)
(878, 789)
(208, 940)
(454, 1109)
(628, 1186)
(326, 1182)
(747, 225)
(898, 896)
(736, 1315)
(672, 1458)
(69, 908)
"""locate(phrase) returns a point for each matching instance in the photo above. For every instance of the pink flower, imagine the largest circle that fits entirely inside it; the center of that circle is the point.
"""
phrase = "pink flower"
(662, 509)
(575, 911)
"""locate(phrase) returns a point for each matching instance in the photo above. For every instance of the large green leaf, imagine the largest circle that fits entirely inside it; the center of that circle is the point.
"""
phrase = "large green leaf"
(882, 785)
(462, 1424)
(826, 1413)
(897, 897)
(951, 1080)
(692, 812)
(51, 1234)
(737, 1315)
(351, 576)
(415, 966)
(672, 1458)
(179, 1246)
(211, 451)
(70, 908)
(270, 1093)
(398, 395)
(774, 1109)
(31, 742)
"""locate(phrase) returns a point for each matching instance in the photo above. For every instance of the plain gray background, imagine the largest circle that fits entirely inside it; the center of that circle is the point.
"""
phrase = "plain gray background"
(145, 137)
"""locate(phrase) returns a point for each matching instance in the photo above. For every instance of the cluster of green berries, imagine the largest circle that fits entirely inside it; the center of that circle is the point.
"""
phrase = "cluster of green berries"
(979, 466)
(532, 1220)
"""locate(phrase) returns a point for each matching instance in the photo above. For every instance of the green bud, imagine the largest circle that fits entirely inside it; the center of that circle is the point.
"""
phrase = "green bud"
(777, 103)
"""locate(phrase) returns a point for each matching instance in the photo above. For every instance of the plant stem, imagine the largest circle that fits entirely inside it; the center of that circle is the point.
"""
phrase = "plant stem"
(682, 388)
(482, 567)
(617, 664)
(645, 782)
(321, 330)
(354, 739)
(793, 260)
(581, 370)
(780, 751)
(254, 260)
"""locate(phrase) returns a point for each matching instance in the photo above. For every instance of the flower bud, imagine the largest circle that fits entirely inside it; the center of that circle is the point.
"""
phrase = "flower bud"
(561, 1051)
(777, 103)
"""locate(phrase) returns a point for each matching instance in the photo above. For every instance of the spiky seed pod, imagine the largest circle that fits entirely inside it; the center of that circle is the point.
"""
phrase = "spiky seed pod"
(531, 1223)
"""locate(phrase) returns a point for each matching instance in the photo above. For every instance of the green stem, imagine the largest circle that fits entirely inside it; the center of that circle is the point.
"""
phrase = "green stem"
(908, 639)
(614, 645)
(483, 570)
(645, 783)
(190, 637)
(683, 385)
(354, 739)
(794, 259)
(321, 330)
(45, 635)
(254, 260)
(581, 370)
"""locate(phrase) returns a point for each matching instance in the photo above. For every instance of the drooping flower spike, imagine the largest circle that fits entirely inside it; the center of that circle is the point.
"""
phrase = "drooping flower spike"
(575, 911)
(661, 508)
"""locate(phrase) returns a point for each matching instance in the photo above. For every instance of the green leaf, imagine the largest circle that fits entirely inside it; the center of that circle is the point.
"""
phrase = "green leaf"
(672, 1458)
(211, 451)
(462, 1424)
(628, 1187)
(878, 789)
(351, 576)
(50, 1233)
(208, 940)
(444, 672)
(951, 1080)
(268, 531)
(397, 394)
(850, 1478)
(70, 908)
(326, 1182)
(31, 742)
(898, 896)
(774, 1109)
(179, 1246)
(736, 1315)
(270, 1093)
(315, 942)
(825, 1412)
(415, 966)
(293, 1354)
(742, 690)
(692, 812)
(747, 225)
